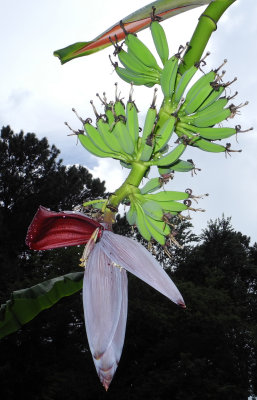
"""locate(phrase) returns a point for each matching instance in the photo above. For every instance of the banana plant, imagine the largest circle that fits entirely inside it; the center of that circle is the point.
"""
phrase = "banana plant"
(190, 117)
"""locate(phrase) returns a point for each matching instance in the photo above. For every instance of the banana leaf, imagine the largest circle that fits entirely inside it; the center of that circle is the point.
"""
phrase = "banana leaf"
(134, 22)
(26, 304)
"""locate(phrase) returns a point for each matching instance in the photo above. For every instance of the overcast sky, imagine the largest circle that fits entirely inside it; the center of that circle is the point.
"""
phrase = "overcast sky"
(37, 93)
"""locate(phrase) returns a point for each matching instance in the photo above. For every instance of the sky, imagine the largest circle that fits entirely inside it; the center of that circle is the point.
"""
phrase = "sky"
(38, 93)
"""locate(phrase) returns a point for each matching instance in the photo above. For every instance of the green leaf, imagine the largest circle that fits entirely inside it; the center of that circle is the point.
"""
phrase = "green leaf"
(26, 304)
(137, 21)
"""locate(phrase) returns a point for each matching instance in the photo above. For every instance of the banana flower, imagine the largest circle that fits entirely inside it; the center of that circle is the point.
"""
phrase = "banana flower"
(106, 258)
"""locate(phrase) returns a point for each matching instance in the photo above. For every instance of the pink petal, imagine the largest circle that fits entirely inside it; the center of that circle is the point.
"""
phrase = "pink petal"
(105, 308)
(50, 229)
(132, 256)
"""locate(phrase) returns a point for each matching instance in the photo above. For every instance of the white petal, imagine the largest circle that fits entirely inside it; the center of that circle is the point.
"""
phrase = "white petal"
(102, 297)
(105, 298)
(134, 257)
(107, 364)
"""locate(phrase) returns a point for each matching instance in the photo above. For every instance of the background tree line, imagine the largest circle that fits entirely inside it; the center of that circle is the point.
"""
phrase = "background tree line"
(207, 351)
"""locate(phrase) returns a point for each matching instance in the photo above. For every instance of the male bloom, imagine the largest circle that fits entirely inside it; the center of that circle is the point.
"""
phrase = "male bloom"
(105, 292)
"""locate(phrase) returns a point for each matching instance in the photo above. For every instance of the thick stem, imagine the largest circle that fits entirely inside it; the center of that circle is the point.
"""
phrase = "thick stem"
(206, 26)
(128, 187)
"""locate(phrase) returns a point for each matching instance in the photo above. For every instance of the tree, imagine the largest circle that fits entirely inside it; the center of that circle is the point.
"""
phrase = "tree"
(30, 175)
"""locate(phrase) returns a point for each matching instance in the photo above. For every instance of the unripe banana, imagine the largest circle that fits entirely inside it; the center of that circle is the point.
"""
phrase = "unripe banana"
(171, 157)
(213, 96)
(160, 41)
(159, 226)
(96, 138)
(151, 208)
(164, 134)
(211, 115)
(173, 206)
(108, 137)
(123, 137)
(218, 89)
(156, 234)
(202, 144)
(178, 166)
(199, 84)
(146, 152)
(133, 64)
(151, 186)
(168, 76)
(140, 51)
(210, 133)
(109, 114)
(89, 146)
(140, 222)
(131, 214)
(119, 108)
(149, 124)
(166, 196)
(132, 120)
(137, 79)
(183, 83)
(191, 106)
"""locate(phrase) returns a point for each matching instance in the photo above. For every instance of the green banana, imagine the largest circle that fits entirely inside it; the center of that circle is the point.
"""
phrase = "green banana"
(192, 105)
(95, 137)
(146, 152)
(151, 186)
(213, 96)
(131, 214)
(141, 52)
(151, 208)
(108, 137)
(205, 80)
(202, 144)
(149, 124)
(164, 134)
(132, 120)
(89, 145)
(183, 82)
(218, 90)
(156, 234)
(160, 41)
(169, 75)
(135, 78)
(166, 196)
(159, 226)
(171, 157)
(140, 222)
(109, 114)
(173, 206)
(118, 108)
(178, 166)
(133, 64)
(211, 115)
(210, 133)
(122, 135)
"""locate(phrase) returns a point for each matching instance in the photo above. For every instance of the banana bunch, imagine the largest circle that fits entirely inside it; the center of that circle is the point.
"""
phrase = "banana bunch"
(202, 109)
(147, 211)
(194, 116)
(116, 135)
(139, 64)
